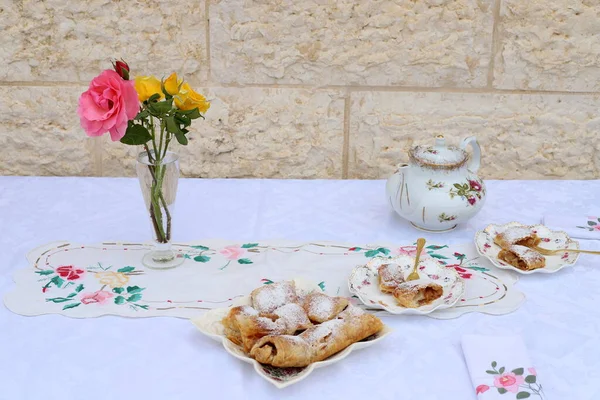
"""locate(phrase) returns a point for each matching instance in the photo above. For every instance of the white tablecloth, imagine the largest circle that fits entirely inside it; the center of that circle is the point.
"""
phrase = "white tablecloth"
(54, 357)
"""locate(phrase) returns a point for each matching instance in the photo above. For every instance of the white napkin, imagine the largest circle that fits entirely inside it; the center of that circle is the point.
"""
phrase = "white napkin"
(500, 368)
(585, 226)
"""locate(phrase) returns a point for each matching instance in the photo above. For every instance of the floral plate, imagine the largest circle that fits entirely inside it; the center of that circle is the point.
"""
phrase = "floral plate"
(484, 241)
(364, 283)
(210, 325)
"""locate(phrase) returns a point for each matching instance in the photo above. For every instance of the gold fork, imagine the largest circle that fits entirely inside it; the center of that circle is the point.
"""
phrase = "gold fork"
(547, 252)
(414, 275)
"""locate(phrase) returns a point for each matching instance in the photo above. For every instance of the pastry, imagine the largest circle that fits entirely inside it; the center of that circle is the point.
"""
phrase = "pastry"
(417, 293)
(268, 298)
(390, 276)
(522, 258)
(317, 343)
(519, 235)
(321, 308)
(294, 315)
(232, 329)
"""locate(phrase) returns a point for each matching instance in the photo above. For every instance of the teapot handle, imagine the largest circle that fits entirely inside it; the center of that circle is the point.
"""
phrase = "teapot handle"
(475, 161)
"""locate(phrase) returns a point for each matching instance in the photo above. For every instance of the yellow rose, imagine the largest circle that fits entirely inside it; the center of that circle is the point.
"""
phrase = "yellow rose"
(146, 86)
(188, 99)
(172, 84)
(112, 279)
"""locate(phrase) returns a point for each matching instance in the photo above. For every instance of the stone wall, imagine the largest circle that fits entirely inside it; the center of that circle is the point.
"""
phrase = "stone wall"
(313, 88)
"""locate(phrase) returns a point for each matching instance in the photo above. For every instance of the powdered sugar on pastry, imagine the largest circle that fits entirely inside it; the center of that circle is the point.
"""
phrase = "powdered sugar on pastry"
(294, 316)
(515, 233)
(321, 308)
(268, 298)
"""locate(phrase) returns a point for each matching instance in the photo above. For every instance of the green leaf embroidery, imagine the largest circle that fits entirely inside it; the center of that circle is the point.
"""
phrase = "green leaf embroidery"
(126, 269)
(187, 256)
(200, 248)
(249, 245)
(518, 371)
(434, 247)
(501, 370)
(134, 289)
(134, 298)
(478, 269)
(57, 280)
(523, 395)
(489, 371)
(438, 256)
(145, 307)
(118, 290)
(502, 390)
(45, 272)
(355, 248)
(456, 185)
(70, 296)
(322, 285)
(72, 305)
(598, 219)
(202, 259)
(59, 299)
(530, 379)
(494, 364)
(591, 223)
(371, 253)
(384, 250)
(244, 261)
(119, 300)
(79, 288)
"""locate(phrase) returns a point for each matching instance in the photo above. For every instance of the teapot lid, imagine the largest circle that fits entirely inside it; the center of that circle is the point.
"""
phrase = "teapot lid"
(438, 156)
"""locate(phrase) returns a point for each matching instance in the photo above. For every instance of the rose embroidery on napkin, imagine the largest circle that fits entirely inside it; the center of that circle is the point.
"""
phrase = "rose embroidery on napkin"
(593, 224)
(513, 382)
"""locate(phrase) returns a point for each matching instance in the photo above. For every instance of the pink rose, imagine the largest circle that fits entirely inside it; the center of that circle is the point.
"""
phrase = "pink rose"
(410, 251)
(99, 297)
(107, 106)
(232, 252)
(532, 371)
(594, 218)
(471, 200)
(475, 185)
(481, 389)
(509, 381)
(597, 227)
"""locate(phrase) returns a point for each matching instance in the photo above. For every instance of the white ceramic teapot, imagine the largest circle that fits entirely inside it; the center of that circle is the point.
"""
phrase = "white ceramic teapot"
(439, 188)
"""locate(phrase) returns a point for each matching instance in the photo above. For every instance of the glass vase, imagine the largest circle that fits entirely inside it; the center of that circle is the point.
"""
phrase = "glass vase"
(158, 181)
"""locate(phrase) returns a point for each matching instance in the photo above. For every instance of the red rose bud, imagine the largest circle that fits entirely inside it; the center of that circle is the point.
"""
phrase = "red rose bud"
(122, 69)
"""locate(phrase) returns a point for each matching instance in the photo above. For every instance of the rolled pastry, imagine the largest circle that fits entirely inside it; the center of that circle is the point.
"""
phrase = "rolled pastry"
(519, 235)
(321, 308)
(414, 294)
(522, 258)
(294, 315)
(268, 298)
(390, 276)
(232, 329)
(317, 343)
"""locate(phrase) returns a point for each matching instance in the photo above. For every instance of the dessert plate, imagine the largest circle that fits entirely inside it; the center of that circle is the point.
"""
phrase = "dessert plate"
(551, 240)
(364, 283)
(210, 325)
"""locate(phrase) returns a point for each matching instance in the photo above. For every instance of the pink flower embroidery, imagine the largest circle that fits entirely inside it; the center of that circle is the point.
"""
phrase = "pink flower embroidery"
(509, 381)
(481, 389)
(99, 297)
(108, 105)
(232, 252)
(475, 185)
(532, 371)
(69, 272)
(594, 218)
(596, 227)
(410, 251)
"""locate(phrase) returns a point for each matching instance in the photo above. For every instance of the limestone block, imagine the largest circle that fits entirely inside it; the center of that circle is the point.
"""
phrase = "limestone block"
(61, 40)
(548, 45)
(378, 42)
(252, 132)
(40, 132)
(522, 136)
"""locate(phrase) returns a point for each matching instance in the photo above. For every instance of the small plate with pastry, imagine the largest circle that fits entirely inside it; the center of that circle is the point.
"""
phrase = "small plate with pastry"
(383, 284)
(513, 246)
(287, 329)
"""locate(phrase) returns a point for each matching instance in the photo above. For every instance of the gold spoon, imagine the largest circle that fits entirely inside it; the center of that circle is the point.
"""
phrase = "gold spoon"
(414, 275)
(547, 252)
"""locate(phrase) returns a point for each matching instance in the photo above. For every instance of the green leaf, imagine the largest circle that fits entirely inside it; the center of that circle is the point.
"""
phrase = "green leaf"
(134, 289)
(71, 295)
(200, 247)
(249, 245)
(322, 285)
(502, 390)
(489, 371)
(494, 364)
(142, 115)
(192, 114)
(136, 135)
(244, 261)
(57, 280)
(501, 370)
(371, 253)
(161, 107)
(591, 223)
(202, 259)
(172, 126)
(523, 395)
(456, 185)
(154, 98)
(383, 250)
(598, 219)
(119, 300)
(72, 305)
(187, 256)
(79, 288)
(180, 136)
(518, 371)
(530, 379)
(45, 272)
(145, 307)
(134, 298)
(59, 299)
(126, 269)
(434, 247)
(438, 256)
(118, 290)
(478, 269)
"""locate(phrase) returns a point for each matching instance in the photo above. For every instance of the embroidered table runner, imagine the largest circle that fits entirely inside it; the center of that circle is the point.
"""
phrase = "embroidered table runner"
(109, 279)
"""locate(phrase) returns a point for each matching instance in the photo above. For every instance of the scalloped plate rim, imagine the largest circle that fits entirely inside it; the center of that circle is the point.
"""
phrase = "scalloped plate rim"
(494, 260)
